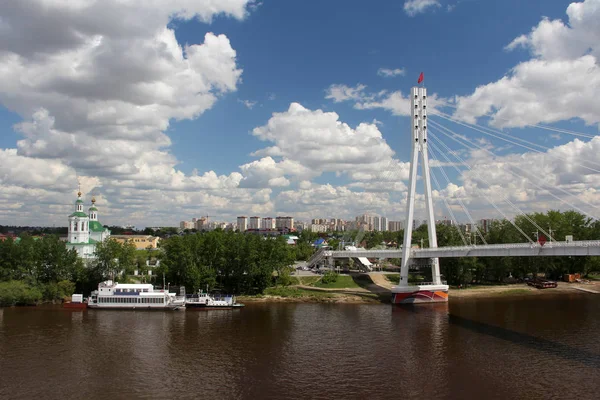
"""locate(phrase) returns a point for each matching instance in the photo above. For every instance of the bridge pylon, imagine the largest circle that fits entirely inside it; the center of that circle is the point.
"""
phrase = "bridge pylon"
(435, 291)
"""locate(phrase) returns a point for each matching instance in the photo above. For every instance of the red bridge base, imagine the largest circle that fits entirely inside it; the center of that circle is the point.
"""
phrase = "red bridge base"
(419, 294)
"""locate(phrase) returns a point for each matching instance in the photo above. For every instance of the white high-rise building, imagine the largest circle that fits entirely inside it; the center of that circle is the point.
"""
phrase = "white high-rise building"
(318, 228)
(267, 223)
(186, 225)
(380, 224)
(242, 224)
(284, 223)
(254, 223)
(395, 226)
(383, 223)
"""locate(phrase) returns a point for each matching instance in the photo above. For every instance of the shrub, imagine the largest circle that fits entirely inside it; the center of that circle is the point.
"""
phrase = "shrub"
(284, 278)
(18, 293)
(329, 277)
(57, 291)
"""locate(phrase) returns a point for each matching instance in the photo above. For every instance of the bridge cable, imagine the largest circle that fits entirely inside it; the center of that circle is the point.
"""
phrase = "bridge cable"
(453, 218)
(457, 138)
(462, 204)
(493, 132)
(507, 200)
(479, 190)
(487, 198)
(540, 126)
(488, 131)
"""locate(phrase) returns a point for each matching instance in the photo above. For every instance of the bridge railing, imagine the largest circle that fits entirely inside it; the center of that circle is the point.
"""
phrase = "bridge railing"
(429, 283)
(465, 251)
(579, 243)
(319, 255)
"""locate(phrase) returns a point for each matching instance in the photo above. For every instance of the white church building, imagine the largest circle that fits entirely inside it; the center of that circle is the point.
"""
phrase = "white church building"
(84, 230)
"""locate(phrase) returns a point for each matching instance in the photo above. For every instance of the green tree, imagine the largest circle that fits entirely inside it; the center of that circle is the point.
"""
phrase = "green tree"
(106, 264)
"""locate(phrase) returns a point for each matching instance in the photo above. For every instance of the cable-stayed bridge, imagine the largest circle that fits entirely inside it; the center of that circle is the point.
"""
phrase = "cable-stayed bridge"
(580, 248)
(434, 139)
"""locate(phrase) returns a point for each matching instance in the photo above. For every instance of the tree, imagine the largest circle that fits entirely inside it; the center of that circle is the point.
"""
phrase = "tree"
(127, 258)
(106, 264)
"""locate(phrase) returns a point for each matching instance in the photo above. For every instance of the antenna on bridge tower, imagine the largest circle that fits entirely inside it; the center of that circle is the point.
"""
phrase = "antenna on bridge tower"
(436, 292)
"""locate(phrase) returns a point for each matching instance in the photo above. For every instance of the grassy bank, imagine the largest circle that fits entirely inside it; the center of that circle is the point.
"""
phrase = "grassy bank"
(292, 292)
(342, 282)
(305, 280)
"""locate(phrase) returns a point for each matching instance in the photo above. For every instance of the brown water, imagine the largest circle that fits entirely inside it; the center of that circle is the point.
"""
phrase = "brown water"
(509, 348)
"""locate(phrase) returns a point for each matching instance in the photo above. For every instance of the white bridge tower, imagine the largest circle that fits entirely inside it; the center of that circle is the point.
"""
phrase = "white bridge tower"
(436, 291)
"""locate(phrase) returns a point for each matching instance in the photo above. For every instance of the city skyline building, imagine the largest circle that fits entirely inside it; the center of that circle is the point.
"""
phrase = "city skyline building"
(254, 223)
(282, 223)
(242, 223)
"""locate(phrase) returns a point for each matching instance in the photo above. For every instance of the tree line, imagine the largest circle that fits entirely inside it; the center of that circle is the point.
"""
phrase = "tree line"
(36, 269)
(233, 262)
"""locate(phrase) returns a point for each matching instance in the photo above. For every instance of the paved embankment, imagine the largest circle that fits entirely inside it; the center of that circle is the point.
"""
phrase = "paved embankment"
(381, 280)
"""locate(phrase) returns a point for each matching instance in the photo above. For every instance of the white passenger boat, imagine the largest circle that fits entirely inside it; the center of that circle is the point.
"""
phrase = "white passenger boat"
(203, 300)
(113, 295)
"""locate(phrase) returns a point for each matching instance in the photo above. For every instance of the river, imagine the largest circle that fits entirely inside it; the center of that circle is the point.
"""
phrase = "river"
(505, 348)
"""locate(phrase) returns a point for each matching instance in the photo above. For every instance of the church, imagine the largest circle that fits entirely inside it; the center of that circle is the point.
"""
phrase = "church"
(84, 230)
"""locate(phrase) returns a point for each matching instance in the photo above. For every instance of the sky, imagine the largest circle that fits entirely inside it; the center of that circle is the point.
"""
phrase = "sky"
(165, 111)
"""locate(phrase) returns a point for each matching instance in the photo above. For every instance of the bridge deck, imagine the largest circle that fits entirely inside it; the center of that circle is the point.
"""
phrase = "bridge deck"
(575, 248)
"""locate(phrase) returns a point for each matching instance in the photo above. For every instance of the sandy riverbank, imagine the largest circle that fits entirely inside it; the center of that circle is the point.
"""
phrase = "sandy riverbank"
(520, 289)
(378, 294)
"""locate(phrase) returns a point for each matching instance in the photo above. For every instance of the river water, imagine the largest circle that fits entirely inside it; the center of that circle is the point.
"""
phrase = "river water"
(508, 348)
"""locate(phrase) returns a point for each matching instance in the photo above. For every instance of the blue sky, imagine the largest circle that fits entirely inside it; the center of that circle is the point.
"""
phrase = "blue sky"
(160, 134)
(294, 53)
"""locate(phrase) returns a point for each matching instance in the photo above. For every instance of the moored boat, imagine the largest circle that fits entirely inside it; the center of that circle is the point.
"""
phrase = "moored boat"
(77, 302)
(113, 295)
(203, 300)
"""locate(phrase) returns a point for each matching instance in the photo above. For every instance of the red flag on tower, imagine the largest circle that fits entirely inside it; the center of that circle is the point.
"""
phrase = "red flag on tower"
(421, 77)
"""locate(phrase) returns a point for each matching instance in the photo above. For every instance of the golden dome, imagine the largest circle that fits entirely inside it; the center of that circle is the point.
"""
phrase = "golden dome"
(93, 200)
(78, 194)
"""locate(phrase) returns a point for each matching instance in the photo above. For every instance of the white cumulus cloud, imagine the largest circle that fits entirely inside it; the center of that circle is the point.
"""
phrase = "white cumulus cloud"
(414, 7)
(97, 86)
(559, 82)
(389, 73)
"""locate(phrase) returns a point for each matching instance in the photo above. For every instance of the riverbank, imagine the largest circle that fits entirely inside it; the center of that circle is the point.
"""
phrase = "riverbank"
(520, 289)
(307, 294)
(374, 293)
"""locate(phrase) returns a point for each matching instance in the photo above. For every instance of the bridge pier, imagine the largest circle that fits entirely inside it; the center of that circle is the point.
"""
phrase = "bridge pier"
(436, 291)
(427, 292)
